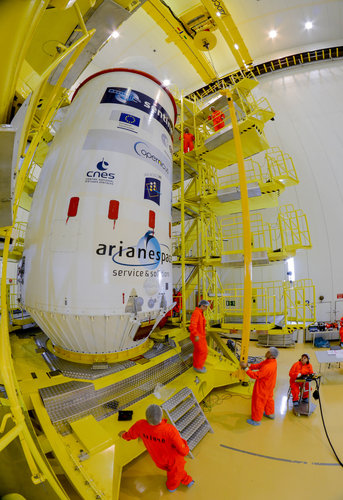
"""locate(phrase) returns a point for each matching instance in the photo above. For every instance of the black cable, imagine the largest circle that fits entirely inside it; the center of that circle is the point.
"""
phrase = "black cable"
(326, 433)
(179, 20)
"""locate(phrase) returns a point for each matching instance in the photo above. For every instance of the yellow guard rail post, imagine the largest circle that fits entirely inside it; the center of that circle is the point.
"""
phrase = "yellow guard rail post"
(246, 233)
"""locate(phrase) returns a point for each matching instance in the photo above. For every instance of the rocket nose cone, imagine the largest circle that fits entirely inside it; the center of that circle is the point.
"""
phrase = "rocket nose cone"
(141, 64)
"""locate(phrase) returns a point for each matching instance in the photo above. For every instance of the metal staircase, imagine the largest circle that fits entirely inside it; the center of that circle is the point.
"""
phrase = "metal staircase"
(185, 413)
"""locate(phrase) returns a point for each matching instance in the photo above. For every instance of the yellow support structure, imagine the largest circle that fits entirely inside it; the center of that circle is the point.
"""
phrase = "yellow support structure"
(40, 471)
(247, 233)
(229, 31)
(176, 33)
(279, 241)
(16, 34)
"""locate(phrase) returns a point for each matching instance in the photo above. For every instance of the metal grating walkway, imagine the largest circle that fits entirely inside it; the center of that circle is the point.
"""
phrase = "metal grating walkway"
(70, 401)
(186, 414)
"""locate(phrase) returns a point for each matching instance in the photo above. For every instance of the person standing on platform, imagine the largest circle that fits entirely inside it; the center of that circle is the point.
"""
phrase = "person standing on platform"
(264, 373)
(188, 141)
(301, 368)
(177, 297)
(198, 336)
(164, 444)
(341, 331)
(217, 118)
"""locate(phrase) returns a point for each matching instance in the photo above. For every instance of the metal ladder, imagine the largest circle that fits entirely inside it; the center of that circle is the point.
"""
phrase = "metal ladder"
(185, 413)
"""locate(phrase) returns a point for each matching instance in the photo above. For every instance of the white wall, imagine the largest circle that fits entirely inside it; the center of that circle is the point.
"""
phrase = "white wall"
(308, 102)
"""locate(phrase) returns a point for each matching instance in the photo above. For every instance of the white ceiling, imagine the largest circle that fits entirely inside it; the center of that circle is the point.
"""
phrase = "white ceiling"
(141, 36)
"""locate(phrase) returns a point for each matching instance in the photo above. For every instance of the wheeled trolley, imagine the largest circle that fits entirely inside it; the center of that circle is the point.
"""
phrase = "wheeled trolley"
(305, 406)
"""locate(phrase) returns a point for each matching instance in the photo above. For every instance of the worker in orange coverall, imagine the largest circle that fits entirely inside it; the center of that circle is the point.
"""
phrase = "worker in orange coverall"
(164, 444)
(188, 141)
(301, 368)
(218, 118)
(198, 336)
(177, 297)
(262, 402)
(341, 331)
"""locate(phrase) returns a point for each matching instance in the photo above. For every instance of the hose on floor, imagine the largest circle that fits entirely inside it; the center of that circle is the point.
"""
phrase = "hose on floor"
(316, 395)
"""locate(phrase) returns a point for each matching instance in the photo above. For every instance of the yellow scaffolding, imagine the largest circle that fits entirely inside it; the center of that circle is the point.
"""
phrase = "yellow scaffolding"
(291, 304)
(280, 240)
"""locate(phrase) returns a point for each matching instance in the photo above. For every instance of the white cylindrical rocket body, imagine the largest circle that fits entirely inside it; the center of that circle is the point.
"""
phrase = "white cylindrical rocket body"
(97, 258)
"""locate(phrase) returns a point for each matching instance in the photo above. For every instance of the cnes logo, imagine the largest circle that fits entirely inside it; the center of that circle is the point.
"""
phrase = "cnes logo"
(100, 175)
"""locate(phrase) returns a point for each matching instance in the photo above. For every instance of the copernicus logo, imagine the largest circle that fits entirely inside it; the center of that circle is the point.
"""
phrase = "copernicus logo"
(142, 149)
(147, 253)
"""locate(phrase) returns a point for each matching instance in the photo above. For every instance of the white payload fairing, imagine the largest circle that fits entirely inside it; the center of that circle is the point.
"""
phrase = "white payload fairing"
(97, 260)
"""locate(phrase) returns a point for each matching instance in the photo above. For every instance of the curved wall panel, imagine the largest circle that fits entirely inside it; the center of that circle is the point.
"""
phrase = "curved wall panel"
(308, 102)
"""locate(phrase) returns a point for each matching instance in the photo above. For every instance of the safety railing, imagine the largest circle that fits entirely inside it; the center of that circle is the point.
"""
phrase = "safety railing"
(266, 302)
(230, 80)
(283, 238)
(281, 167)
(291, 303)
(294, 229)
(16, 246)
(300, 302)
(232, 234)
(212, 240)
(276, 168)
(207, 123)
(322, 54)
(19, 230)
(190, 239)
(253, 172)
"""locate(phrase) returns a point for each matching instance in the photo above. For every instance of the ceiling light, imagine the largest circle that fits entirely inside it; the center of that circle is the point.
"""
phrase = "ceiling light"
(308, 25)
(166, 83)
(115, 34)
(236, 46)
(272, 33)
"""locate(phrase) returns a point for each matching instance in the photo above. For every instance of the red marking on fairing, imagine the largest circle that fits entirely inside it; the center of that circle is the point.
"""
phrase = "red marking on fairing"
(113, 211)
(152, 219)
(73, 207)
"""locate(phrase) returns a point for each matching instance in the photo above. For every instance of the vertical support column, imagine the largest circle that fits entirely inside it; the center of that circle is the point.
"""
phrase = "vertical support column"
(183, 266)
(246, 232)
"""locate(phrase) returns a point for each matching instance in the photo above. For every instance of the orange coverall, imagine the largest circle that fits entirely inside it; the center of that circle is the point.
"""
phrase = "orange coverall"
(262, 395)
(166, 447)
(178, 299)
(218, 120)
(188, 142)
(197, 329)
(341, 330)
(297, 368)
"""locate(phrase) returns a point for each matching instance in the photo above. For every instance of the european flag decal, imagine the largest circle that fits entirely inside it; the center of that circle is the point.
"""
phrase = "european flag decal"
(152, 189)
(129, 119)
